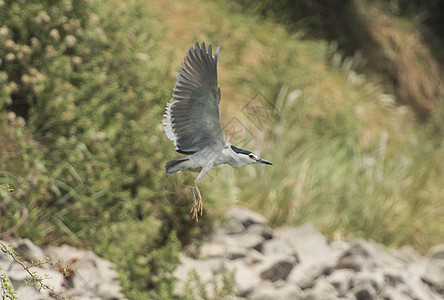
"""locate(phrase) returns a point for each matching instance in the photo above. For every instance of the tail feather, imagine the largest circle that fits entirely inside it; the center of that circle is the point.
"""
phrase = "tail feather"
(174, 165)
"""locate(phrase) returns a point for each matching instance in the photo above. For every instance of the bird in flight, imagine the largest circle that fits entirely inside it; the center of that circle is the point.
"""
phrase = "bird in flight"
(192, 122)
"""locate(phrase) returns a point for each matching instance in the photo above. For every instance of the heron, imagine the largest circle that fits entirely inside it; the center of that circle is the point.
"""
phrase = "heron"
(192, 122)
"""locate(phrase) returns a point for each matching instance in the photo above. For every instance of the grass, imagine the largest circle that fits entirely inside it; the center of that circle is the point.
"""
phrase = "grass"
(345, 158)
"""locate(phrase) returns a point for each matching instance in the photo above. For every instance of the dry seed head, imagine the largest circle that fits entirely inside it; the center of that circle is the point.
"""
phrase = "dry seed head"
(43, 17)
(10, 44)
(54, 33)
(4, 31)
(70, 41)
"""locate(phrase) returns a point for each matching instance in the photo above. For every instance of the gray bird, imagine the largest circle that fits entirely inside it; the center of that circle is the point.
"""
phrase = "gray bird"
(192, 122)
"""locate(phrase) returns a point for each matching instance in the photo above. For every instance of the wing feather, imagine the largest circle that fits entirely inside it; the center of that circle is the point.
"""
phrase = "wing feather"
(192, 118)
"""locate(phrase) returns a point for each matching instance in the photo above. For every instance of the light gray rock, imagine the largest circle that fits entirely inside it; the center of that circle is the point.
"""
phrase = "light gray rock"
(436, 252)
(300, 263)
(269, 291)
(375, 279)
(278, 247)
(413, 285)
(87, 276)
(394, 278)
(341, 280)
(29, 252)
(29, 292)
(64, 253)
(321, 290)
(365, 286)
(246, 217)
(433, 275)
(212, 250)
(95, 278)
(406, 254)
(246, 240)
(205, 270)
(307, 242)
(261, 230)
(391, 293)
(254, 257)
(245, 278)
(52, 278)
(357, 257)
(5, 260)
(233, 226)
(16, 272)
(305, 274)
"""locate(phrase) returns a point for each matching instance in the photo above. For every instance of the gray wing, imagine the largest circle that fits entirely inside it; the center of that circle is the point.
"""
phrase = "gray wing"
(192, 117)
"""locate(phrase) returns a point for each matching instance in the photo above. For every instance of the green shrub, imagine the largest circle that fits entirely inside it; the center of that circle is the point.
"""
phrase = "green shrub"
(81, 101)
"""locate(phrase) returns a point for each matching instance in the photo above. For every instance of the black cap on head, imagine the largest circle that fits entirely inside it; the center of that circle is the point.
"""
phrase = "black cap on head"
(240, 151)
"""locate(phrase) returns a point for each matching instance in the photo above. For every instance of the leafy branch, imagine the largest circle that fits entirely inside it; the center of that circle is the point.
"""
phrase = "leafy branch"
(7, 291)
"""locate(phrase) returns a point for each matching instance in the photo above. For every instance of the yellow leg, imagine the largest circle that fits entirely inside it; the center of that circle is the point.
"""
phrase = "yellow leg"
(198, 202)
(197, 207)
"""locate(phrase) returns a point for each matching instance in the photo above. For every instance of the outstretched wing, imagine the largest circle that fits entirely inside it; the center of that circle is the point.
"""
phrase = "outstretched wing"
(192, 117)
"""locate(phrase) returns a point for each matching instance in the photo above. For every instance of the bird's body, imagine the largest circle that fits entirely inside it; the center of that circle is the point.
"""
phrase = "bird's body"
(192, 122)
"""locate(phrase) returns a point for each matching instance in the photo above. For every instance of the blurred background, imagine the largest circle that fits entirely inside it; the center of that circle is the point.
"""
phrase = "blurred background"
(346, 98)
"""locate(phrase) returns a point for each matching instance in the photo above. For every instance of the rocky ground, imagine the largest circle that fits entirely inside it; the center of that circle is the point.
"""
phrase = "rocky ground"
(72, 273)
(287, 263)
(300, 263)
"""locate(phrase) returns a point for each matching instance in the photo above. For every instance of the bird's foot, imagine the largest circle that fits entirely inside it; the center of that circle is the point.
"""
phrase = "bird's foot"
(197, 207)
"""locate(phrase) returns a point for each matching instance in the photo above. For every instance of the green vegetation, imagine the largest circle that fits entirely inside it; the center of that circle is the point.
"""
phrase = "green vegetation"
(32, 278)
(83, 85)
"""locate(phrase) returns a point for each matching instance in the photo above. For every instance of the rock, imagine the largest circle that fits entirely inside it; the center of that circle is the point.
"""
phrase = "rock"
(254, 257)
(246, 217)
(368, 255)
(412, 283)
(304, 275)
(321, 290)
(5, 260)
(94, 278)
(393, 278)
(245, 279)
(276, 267)
(269, 291)
(16, 272)
(391, 293)
(434, 275)
(94, 275)
(245, 240)
(52, 278)
(249, 241)
(212, 250)
(29, 252)
(278, 246)
(307, 242)
(233, 226)
(300, 263)
(261, 230)
(29, 292)
(436, 252)
(406, 254)
(205, 270)
(365, 286)
(64, 252)
(341, 280)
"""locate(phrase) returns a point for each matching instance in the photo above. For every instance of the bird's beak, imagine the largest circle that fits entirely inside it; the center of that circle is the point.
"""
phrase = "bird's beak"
(263, 161)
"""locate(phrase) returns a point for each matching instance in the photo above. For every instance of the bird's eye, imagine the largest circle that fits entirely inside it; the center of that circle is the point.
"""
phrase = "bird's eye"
(251, 156)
